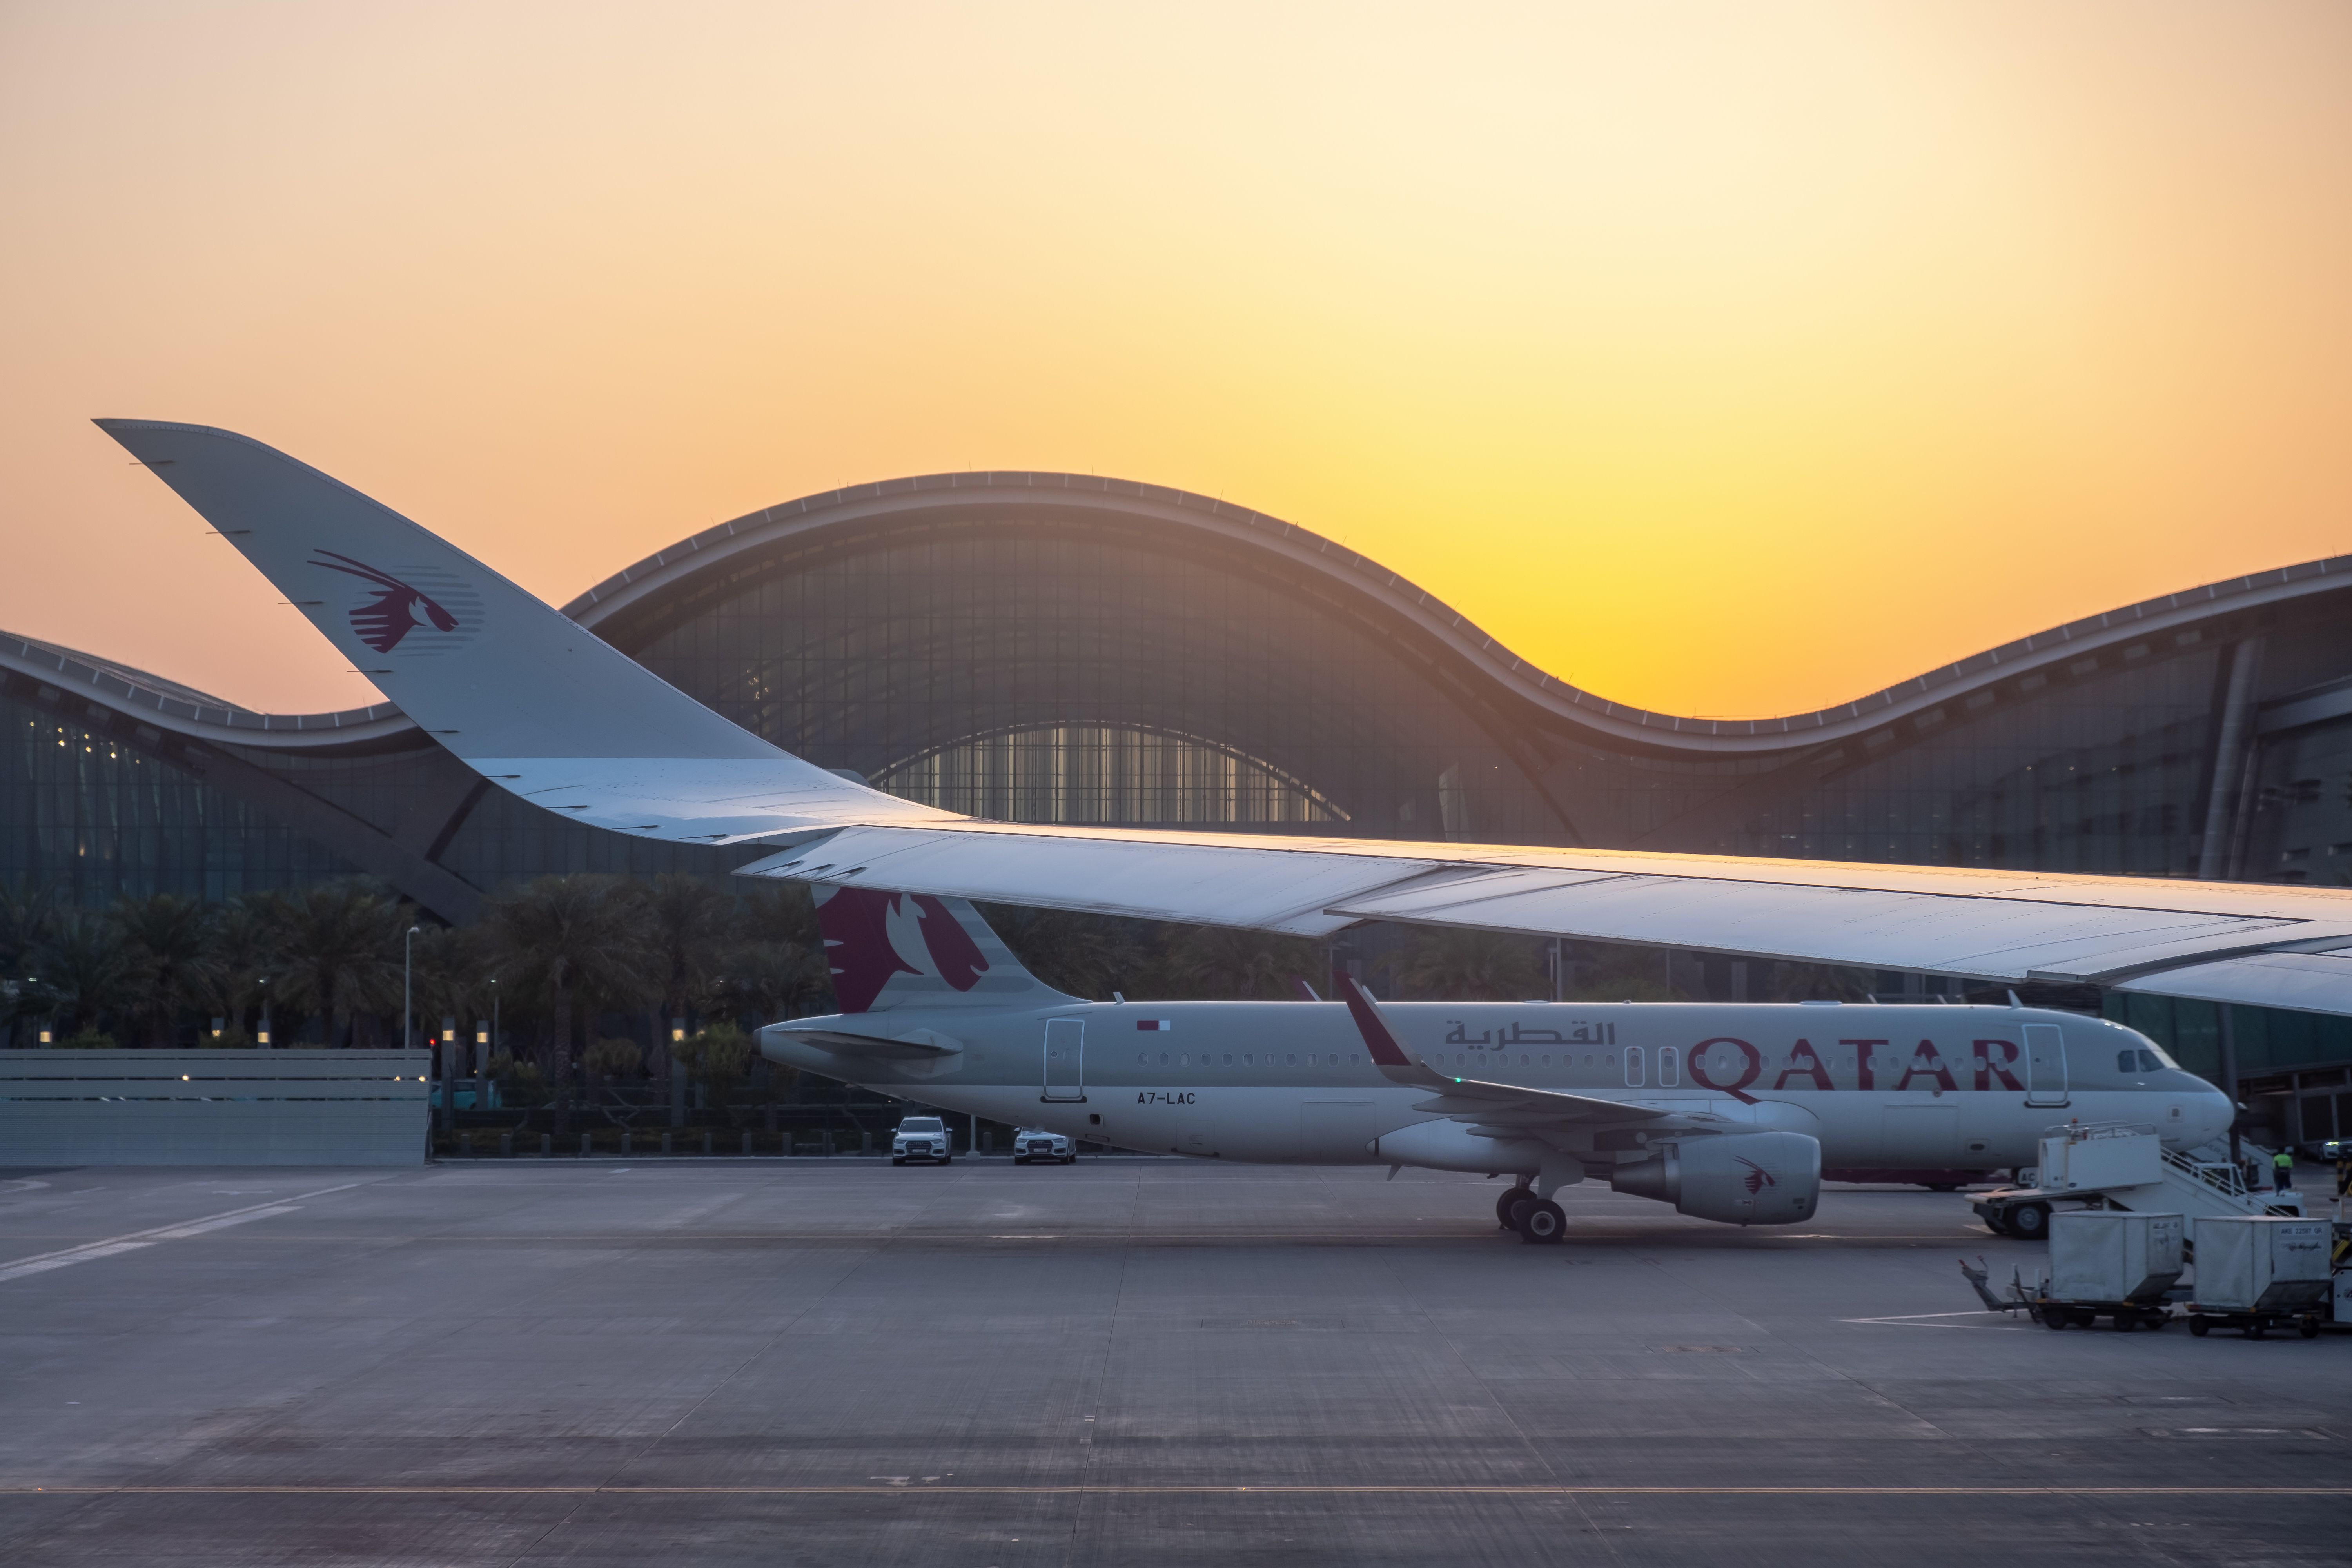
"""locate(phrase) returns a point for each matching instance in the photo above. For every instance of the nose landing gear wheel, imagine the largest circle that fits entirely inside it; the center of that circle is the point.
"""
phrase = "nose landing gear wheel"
(1507, 1207)
(1542, 1223)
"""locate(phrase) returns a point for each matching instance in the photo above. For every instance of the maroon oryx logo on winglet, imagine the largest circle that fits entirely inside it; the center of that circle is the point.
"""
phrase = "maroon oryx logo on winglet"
(1758, 1178)
(393, 613)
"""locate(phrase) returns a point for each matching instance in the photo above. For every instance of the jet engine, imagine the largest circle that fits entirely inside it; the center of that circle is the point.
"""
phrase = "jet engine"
(1741, 1178)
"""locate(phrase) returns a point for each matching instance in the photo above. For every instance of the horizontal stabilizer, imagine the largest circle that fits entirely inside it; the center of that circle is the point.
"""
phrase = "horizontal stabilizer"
(914, 1045)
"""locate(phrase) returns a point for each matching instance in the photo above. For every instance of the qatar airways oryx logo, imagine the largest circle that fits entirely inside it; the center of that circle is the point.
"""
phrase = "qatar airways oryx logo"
(872, 936)
(427, 610)
(1757, 1177)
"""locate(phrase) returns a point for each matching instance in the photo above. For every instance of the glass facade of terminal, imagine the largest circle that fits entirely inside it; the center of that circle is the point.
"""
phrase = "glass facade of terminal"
(92, 818)
(1066, 677)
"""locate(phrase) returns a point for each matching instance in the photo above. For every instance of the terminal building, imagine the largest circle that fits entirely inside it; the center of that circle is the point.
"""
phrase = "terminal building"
(1054, 648)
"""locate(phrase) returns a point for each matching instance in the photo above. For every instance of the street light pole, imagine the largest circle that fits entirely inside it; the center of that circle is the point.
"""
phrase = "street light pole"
(408, 984)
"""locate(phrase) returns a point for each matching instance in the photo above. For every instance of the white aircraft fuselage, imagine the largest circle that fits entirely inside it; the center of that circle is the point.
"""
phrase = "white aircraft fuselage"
(1928, 1088)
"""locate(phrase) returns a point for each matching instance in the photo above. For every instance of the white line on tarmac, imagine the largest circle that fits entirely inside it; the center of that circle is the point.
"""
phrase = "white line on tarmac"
(41, 1263)
(1920, 1320)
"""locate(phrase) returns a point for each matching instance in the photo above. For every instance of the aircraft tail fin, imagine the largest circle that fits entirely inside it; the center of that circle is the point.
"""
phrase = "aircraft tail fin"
(889, 951)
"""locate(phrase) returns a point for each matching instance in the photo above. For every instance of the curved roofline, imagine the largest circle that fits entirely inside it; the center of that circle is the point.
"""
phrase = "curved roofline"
(183, 710)
(725, 542)
(171, 707)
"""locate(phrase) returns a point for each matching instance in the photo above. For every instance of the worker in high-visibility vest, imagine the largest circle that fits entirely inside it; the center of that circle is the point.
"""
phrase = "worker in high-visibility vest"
(2282, 1171)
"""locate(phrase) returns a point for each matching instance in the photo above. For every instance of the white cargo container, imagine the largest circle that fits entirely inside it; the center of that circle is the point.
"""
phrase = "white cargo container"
(2107, 1157)
(2262, 1264)
(2109, 1255)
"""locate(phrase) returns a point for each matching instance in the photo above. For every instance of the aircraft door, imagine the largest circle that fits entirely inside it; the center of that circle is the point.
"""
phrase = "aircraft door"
(1634, 1066)
(2045, 1065)
(1066, 1044)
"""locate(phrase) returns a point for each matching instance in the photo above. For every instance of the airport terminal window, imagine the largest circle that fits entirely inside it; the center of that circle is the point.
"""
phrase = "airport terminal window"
(95, 820)
(1093, 773)
(1102, 673)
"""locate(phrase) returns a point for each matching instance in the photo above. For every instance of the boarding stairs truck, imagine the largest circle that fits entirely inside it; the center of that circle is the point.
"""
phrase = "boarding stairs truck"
(2103, 1165)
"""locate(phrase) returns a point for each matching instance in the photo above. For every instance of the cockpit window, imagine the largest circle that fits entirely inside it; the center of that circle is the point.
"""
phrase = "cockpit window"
(2152, 1061)
(2133, 1059)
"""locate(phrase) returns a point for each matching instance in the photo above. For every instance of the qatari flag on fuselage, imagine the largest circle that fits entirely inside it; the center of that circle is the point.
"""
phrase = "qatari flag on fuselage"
(1161, 1024)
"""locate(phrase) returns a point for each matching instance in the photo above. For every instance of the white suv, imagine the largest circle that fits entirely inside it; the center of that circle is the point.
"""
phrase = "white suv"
(1036, 1143)
(921, 1138)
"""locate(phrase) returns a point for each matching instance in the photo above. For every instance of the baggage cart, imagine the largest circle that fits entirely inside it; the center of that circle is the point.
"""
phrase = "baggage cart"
(2255, 1273)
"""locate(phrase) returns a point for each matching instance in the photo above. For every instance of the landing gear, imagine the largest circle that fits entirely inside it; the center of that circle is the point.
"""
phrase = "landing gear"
(1507, 1207)
(1542, 1223)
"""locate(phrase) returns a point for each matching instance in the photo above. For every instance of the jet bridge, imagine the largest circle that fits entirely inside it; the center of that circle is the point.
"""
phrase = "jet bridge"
(2122, 1166)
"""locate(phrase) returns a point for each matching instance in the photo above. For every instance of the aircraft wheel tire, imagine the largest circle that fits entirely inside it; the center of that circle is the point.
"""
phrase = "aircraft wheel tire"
(1542, 1223)
(1506, 1206)
(2030, 1222)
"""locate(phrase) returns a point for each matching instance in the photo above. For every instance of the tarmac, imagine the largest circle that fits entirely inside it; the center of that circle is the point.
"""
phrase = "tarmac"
(1123, 1361)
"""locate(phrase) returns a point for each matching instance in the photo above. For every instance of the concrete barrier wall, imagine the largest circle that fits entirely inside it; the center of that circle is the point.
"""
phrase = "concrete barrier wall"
(214, 1108)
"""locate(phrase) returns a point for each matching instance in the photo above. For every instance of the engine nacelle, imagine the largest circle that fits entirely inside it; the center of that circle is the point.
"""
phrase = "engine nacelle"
(1741, 1178)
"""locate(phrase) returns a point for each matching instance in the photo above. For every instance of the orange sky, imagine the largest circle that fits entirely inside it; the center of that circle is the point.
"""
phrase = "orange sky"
(1721, 358)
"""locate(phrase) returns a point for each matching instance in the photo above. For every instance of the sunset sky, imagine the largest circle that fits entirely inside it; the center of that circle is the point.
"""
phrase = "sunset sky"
(1726, 358)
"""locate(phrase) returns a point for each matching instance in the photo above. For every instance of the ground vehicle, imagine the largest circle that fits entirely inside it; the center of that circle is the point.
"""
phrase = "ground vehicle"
(921, 1138)
(1031, 1143)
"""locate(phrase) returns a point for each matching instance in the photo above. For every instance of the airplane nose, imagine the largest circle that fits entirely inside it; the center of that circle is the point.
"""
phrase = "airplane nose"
(2216, 1114)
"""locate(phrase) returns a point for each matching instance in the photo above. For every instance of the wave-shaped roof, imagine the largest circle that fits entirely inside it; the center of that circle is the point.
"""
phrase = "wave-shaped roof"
(673, 571)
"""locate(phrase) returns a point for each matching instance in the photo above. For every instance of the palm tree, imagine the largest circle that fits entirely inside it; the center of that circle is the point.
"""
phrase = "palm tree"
(775, 966)
(1086, 956)
(241, 953)
(26, 914)
(569, 937)
(1455, 964)
(82, 965)
(339, 942)
(452, 966)
(164, 954)
(1220, 961)
(686, 923)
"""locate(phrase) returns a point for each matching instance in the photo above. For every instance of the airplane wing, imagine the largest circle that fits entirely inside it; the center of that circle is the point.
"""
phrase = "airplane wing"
(540, 706)
(1470, 1099)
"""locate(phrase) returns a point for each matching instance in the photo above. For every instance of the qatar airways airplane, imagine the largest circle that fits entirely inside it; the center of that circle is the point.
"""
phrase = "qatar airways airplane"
(1726, 1111)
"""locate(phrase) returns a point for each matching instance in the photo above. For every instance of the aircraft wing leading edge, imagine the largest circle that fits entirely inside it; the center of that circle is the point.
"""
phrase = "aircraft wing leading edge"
(542, 706)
